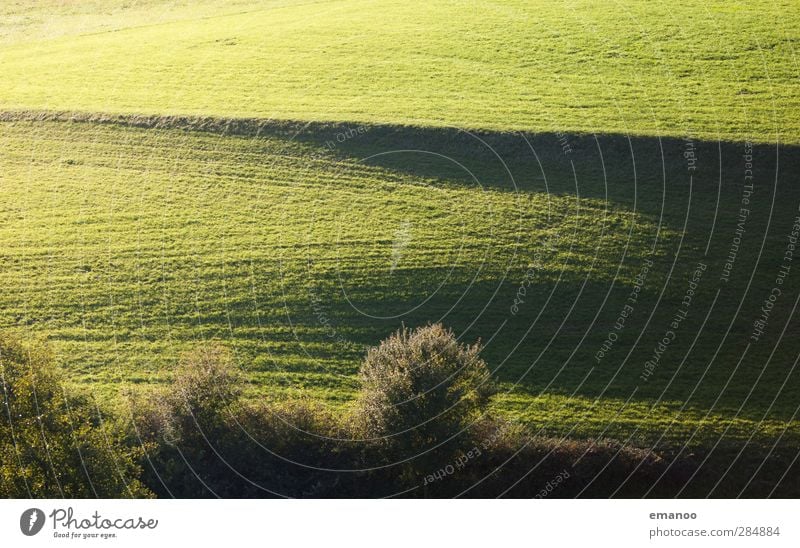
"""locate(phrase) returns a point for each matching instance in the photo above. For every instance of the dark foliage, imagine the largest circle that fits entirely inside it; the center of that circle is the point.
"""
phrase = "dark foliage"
(418, 429)
(52, 445)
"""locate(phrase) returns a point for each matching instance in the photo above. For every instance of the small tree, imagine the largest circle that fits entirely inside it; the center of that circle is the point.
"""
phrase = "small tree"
(420, 388)
(54, 446)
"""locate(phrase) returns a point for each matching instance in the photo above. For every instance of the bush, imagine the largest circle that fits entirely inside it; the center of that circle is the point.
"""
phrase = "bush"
(209, 442)
(421, 390)
(295, 448)
(207, 382)
(182, 422)
(54, 446)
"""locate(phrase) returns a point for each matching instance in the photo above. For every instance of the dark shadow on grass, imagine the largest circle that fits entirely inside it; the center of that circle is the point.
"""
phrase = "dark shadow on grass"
(552, 342)
(623, 169)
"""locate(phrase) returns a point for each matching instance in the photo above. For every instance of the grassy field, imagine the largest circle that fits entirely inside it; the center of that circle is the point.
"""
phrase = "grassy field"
(506, 168)
(300, 256)
(711, 70)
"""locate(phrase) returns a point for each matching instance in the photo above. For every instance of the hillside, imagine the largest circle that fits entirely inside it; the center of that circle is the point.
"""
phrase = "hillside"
(564, 182)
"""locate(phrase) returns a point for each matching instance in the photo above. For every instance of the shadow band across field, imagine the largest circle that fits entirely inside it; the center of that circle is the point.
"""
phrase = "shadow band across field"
(627, 200)
(501, 160)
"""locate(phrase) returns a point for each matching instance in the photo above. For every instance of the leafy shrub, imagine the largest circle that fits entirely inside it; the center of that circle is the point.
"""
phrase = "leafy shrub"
(295, 448)
(207, 382)
(201, 438)
(52, 445)
(421, 390)
(211, 442)
(181, 421)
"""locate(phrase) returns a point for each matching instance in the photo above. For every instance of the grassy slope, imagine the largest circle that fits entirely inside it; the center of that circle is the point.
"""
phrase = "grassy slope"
(711, 70)
(220, 235)
(300, 256)
(133, 243)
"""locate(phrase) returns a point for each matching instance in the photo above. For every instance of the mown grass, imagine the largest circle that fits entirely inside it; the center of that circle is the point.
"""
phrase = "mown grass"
(711, 70)
(126, 246)
(301, 243)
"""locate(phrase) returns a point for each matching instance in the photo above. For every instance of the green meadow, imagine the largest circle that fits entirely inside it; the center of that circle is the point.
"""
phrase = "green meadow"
(710, 69)
(558, 180)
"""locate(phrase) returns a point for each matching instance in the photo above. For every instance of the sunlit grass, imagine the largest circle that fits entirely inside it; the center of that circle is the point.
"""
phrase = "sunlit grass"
(683, 68)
